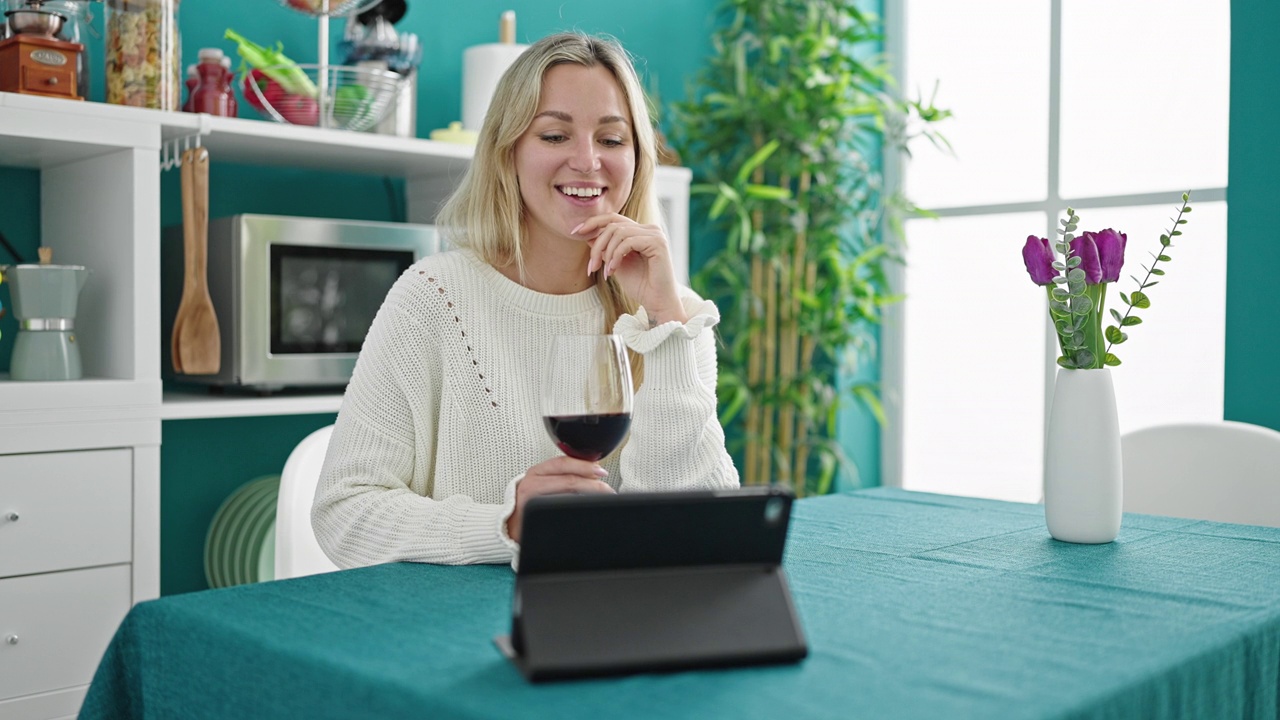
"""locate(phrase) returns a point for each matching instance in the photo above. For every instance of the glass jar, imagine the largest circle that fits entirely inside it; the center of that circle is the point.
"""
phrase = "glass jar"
(77, 13)
(144, 54)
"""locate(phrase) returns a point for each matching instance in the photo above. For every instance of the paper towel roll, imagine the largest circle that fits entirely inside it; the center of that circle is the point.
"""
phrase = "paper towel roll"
(482, 67)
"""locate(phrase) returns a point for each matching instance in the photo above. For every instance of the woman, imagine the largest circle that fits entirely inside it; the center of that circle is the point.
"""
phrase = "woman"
(439, 443)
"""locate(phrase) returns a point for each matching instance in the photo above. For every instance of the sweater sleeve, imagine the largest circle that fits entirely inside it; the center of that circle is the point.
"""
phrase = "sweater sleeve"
(676, 441)
(368, 507)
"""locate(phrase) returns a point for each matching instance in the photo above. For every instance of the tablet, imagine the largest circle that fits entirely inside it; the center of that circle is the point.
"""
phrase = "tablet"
(617, 584)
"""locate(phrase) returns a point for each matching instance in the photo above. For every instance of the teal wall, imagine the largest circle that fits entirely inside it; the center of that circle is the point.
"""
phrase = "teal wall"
(1252, 382)
(20, 223)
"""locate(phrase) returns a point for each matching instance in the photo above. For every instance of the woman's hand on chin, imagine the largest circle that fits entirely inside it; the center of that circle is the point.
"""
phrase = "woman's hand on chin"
(639, 256)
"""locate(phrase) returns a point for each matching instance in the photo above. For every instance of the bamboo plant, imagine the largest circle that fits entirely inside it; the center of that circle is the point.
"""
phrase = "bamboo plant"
(786, 123)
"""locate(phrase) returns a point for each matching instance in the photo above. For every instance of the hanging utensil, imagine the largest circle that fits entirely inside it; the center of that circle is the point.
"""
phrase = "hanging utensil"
(196, 341)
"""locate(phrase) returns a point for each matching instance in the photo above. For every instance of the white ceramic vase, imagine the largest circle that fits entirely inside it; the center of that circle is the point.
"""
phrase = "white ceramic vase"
(1083, 483)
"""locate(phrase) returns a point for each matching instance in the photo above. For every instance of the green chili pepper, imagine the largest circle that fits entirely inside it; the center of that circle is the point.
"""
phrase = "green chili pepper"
(274, 65)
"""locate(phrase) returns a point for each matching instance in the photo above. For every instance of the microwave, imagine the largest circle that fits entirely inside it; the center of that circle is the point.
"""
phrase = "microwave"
(294, 296)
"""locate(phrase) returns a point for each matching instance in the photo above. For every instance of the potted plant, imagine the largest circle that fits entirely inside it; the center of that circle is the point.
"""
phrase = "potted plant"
(787, 123)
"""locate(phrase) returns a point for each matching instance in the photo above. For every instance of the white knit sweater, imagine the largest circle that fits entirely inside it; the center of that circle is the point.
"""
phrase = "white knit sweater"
(441, 418)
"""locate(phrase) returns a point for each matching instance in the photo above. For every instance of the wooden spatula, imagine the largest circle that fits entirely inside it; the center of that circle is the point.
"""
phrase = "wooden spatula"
(196, 343)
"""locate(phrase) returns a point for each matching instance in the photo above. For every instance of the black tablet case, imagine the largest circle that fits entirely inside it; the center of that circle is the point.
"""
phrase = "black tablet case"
(652, 582)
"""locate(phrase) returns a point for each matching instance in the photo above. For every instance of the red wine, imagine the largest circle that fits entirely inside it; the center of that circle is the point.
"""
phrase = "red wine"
(588, 437)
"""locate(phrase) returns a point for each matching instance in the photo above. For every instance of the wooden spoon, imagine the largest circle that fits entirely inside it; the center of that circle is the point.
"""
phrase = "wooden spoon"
(197, 344)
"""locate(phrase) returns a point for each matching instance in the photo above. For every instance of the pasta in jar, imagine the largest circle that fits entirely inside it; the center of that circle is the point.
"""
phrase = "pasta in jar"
(143, 53)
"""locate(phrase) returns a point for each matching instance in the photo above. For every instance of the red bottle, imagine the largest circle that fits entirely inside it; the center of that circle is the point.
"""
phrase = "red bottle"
(193, 79)
(230, 79)
(212, 94)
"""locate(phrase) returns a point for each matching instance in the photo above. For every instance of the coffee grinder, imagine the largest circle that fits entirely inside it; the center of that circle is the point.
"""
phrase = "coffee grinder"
(32, 58)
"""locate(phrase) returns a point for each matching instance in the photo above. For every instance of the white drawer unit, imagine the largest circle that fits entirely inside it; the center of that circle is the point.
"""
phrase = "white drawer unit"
(60, 511)
(55, 627)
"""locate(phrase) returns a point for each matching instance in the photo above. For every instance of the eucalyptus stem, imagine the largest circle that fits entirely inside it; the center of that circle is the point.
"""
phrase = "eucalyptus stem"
(1165, 242)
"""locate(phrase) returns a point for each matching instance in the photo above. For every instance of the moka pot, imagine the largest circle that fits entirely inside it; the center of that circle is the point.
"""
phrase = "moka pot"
(44, 302)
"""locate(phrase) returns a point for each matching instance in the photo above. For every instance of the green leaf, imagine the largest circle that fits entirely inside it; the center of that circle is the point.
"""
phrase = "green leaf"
(1058, 266)
(1176, 233)
(755, 161)
(1114, 336)
(1060, 294)
(1150, 284)
(1074, 261)
(1116, 314)
(768, 192)
(1111, 360)
(1182, 222)
(1081, 305)
(1157, 271)
(718, 207)
(1084, 359)
(1059, 280)
(1059, 307)
(1165, 258)
(1185, 196)
(1131, 320)
(1186, 209)
(1125, 299)
(1140, 300)
(1077, 339)
(1066, 362)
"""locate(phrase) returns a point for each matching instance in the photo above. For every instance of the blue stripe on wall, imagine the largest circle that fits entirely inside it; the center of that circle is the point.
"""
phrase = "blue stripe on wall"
(1252, 382)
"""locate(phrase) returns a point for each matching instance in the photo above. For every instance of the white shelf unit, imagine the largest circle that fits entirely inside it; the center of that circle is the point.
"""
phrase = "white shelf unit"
(100, 171)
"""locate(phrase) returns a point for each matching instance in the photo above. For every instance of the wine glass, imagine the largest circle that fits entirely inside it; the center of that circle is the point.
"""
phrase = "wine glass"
(586, 394)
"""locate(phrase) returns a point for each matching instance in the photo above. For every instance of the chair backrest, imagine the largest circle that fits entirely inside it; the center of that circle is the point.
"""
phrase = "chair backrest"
(297, 552)
(1225, 471)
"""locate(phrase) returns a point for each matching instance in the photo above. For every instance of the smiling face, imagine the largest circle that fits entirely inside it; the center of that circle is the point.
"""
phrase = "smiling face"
(577, 158)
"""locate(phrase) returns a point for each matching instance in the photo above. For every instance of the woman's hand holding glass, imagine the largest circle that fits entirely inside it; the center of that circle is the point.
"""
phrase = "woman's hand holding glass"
(586, 409)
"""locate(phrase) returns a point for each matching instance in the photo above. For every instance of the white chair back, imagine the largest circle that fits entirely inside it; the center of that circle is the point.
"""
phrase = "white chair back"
(1224, 471)
(297, 552)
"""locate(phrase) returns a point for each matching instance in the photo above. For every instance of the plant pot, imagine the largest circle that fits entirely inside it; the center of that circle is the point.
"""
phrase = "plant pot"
(1083, 482)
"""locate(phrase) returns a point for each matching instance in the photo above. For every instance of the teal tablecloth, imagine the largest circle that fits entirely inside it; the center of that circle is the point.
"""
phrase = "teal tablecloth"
(915, 606)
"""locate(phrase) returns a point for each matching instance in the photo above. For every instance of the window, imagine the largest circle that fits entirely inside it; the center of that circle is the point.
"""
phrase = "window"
(1112, 109)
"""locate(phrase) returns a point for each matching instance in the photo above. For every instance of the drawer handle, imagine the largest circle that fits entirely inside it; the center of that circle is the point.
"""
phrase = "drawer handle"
(12, 639)
(11, 517)
(53, 81)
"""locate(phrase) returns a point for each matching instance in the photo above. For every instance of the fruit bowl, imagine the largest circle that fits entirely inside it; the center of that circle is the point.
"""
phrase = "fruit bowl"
(356, 98)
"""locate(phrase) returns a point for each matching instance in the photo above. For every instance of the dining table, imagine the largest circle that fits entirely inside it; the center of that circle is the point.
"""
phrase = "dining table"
(913, 605)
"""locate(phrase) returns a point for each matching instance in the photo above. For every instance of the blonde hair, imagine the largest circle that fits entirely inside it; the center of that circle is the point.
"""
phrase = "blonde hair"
(486, 213)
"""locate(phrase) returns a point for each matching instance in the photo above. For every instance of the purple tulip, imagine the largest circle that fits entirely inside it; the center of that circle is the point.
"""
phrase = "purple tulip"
(1038, 257)
(1110, 246)
(1084, 248)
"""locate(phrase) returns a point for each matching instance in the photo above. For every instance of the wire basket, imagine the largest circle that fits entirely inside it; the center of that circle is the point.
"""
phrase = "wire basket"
(356, 98)
(316, 8)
